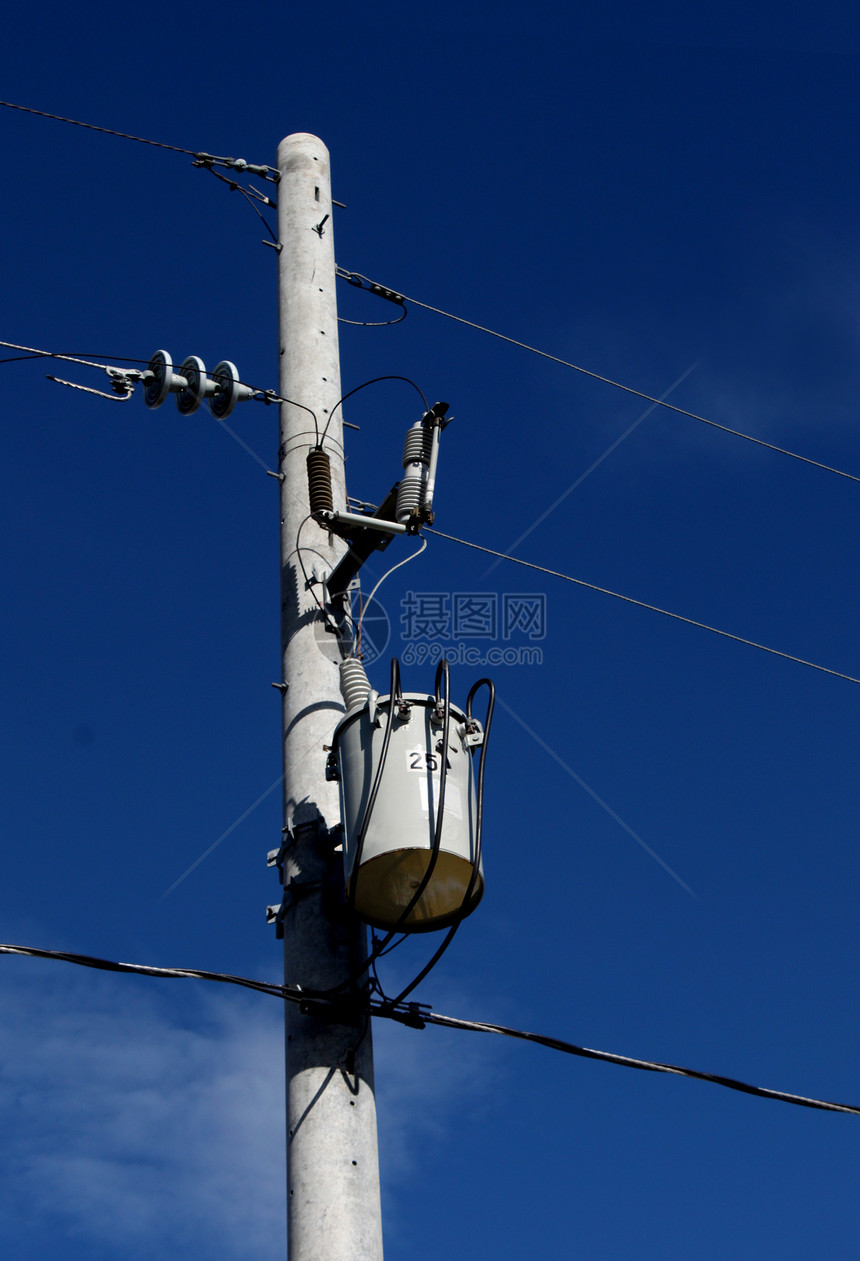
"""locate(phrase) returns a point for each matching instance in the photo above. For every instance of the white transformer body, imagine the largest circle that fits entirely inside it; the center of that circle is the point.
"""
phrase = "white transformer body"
(398, 844)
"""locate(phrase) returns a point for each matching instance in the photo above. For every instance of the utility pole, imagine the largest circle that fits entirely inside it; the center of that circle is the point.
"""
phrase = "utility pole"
(332, 1163)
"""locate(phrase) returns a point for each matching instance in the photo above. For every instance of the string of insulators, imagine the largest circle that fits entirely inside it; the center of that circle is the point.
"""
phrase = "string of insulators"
(319, 481)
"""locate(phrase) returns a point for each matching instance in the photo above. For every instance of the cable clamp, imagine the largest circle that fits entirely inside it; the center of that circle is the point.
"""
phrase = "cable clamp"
(472, 733)
(414, 1014)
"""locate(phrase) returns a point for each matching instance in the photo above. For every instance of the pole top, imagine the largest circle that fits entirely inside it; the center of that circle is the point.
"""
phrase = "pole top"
(302, 145)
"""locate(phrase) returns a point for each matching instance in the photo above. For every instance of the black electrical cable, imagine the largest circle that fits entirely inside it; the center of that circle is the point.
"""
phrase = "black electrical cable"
(417, 1016)
(267, 172)
(363, 386)
(443, 700)
(395, 692)
(442, 674)
(291, 993)
(479, 824)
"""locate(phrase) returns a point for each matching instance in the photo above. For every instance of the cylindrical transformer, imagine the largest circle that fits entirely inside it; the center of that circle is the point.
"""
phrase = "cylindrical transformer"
(398, 843)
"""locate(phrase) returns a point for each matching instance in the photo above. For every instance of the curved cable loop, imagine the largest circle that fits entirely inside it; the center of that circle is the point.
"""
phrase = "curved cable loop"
(373, 381)
(374, 323)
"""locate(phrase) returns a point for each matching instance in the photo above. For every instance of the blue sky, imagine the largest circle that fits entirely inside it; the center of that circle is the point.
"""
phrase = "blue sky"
(645, 193)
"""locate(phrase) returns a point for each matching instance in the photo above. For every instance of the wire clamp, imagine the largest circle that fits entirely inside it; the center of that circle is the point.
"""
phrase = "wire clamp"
(411, 1014)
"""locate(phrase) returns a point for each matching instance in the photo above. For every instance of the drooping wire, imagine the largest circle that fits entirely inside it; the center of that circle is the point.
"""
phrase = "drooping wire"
(417, 1016)
(291, 993)
(626, 1061)
(364, 385)
(653, 608)
(374, 323)
(618, 385)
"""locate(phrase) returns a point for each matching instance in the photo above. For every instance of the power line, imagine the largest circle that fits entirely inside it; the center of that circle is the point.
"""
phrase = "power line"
(594, 465)
(416, 1015)
(677, 617)
(355, 277)
(201, 158)
(108, 131)
(626, 1061)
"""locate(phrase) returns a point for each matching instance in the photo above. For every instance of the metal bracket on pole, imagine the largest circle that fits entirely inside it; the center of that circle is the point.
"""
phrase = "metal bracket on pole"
(363, 542)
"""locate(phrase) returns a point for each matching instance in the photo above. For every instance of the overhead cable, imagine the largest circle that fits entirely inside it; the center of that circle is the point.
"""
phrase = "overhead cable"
(616, 595)
(202, 158)
(626, 1061)
(355, 277)
(416, 1015)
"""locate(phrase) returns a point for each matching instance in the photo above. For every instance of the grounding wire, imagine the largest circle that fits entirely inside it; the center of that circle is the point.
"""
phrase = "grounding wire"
(416, 1016)
(642, 604)
(363, 386)
(618, 385)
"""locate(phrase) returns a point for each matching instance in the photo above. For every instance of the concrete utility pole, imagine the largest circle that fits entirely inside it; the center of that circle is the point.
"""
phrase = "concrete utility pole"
(332, 1164)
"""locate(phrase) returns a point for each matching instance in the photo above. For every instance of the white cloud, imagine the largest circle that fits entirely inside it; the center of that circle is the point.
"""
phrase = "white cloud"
(142, 1123)
(146, 1118)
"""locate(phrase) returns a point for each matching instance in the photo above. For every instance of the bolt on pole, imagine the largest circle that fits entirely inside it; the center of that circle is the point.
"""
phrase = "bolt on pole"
(332, 1163)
